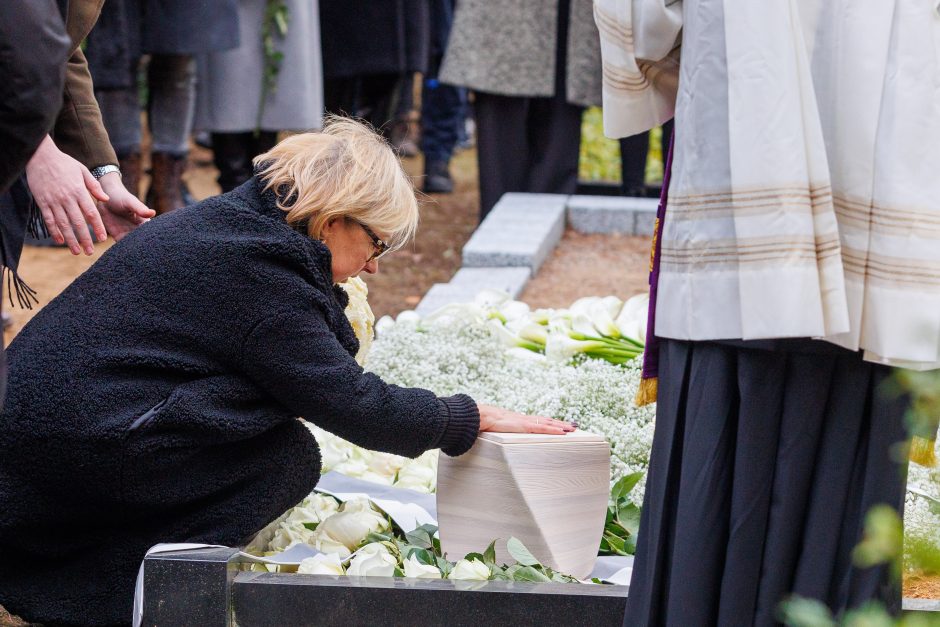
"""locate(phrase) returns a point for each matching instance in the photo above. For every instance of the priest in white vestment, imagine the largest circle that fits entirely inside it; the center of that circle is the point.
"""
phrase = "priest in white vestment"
(799, 265)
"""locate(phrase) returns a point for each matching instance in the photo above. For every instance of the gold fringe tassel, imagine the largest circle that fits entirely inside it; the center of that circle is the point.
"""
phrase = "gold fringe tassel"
(922, 452)
(647, 391)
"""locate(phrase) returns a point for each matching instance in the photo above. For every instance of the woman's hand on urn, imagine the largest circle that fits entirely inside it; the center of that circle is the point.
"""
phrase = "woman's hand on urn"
(504, 421)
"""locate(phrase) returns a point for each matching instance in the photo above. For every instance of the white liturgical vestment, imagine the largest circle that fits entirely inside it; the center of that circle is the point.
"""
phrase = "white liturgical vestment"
(805, 191)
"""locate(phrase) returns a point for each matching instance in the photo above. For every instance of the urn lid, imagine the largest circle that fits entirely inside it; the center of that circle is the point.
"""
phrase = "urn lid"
(579, 437)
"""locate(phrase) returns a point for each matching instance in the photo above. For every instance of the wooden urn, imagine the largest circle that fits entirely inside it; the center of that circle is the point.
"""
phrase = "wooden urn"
(549, 491)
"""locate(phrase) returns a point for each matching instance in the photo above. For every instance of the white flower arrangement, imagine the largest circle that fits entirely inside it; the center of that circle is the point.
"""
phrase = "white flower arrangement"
(501, 353)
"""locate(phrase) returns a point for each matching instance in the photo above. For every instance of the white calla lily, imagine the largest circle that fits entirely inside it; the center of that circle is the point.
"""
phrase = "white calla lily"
(632, 317)
(600, 316)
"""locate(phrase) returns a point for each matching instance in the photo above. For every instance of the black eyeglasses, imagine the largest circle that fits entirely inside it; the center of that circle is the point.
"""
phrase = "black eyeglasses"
(381, 247)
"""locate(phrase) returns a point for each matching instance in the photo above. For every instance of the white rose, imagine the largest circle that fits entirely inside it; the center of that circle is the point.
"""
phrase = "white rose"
(418, 477)
(313, 509)
(333, 450)
(470, 569)
(417, 570)
(323, 542)
(384, 324)
(322, 564)
(288, 534)
(352, 468)
(408, 317)
(386, 464)
(372, 560)
(352, 524)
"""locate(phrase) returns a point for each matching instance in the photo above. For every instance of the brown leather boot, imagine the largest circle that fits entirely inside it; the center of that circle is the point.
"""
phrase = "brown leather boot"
(130, 172)
(166, 182)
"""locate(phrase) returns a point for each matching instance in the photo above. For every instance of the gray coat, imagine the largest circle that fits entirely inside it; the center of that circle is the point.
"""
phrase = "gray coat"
(507, 47)
(229, 89)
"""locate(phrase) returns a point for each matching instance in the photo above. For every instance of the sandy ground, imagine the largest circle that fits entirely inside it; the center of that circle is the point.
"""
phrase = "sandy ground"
(590, 265)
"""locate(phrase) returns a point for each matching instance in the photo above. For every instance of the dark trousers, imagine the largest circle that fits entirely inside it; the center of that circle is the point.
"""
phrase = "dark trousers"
(633, 152)
(373, 97)
(443, 108)
(232, 154)
(767, 455)
(526, 145)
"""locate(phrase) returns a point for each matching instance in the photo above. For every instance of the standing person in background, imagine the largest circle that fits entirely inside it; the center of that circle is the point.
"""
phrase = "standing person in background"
(164, 36)
(443, 107)
(368, 48)
(233, 102)
(797, 268)
(534, 65)
(33, 50)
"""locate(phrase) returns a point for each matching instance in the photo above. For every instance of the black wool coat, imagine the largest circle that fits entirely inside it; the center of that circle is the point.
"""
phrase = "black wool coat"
(362, 37)
(155, 400)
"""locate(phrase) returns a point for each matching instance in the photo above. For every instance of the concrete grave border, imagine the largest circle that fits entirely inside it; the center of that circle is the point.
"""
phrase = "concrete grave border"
(522, 230)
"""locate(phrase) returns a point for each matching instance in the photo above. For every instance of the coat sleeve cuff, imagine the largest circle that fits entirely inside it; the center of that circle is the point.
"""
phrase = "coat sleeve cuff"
(463, 424)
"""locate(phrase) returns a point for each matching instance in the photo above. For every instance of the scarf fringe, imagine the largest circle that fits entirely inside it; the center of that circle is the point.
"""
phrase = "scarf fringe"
(25, 295)
(923, 451)
(647, 392)
(35, 225)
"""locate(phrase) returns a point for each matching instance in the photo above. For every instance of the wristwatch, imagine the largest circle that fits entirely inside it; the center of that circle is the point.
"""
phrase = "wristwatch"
(101, 170)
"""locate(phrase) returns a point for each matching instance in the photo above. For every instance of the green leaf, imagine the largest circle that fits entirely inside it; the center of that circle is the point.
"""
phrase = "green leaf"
(519, 553)
(398, 572)
(374, 537)
(625, 485)
(628, 517)
(473, 556)
(489, 555)
(528, 573)
(424, 556)
(420, 537)
(312, 526)
(445, 566)
(615, 543)
(800, 612)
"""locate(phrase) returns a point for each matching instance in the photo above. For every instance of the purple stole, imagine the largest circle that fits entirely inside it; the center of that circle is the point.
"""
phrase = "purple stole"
(649, 382)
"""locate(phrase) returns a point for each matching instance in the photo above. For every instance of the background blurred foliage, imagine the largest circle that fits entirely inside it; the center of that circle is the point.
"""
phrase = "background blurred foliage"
(600, 156)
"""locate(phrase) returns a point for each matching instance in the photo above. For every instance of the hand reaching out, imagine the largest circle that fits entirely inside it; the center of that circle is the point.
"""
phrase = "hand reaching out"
(65, 192)
(122, 212)
(505, 421)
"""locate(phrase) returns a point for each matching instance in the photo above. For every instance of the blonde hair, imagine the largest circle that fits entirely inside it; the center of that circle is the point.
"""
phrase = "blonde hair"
(347, 170)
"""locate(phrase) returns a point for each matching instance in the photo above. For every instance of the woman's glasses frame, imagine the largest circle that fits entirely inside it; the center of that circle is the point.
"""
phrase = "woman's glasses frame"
(380, 245)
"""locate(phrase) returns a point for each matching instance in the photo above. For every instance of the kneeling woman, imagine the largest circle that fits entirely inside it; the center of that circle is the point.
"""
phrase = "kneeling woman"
(155, 400)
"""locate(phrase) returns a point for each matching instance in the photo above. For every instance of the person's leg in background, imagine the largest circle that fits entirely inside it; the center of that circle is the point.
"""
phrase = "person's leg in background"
(502, 146)
(443, 109)
(232, 155)
(120, 111)
(172, 81)
(633, 152)
(553, 127)
(376, 99)
(404, 127)
(442, 115)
